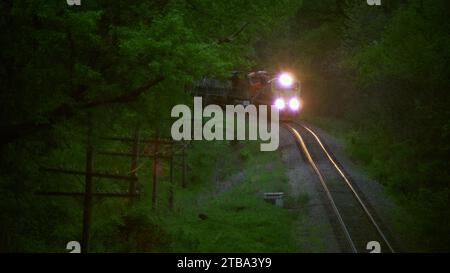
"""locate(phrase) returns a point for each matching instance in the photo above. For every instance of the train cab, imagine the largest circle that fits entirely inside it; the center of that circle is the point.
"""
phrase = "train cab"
(285, 90)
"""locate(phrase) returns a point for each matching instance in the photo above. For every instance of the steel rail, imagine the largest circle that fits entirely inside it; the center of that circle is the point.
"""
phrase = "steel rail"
(324, 185)
(352, 189)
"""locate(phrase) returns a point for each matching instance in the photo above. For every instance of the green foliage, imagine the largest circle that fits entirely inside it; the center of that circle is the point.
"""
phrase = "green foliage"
(126, 62)
(237, 218)
(384, 71)
(405, 36)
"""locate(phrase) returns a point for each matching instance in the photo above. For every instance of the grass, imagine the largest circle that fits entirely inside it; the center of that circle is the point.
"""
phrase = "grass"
(237, 219)
(211, 214)
(221, 209)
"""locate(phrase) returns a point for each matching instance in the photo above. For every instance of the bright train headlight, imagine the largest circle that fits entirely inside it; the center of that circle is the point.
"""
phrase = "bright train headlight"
(279, 103)
(285, 80)
(294, 104)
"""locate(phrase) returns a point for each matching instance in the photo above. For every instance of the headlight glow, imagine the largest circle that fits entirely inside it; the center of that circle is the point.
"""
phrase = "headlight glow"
(285, 80)
(294, 104)
(279, 103)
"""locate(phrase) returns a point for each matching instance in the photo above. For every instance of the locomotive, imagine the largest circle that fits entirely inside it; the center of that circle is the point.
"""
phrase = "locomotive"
(281, 90)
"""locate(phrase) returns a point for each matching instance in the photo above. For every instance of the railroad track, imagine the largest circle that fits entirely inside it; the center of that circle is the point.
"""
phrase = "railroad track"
(358, 230)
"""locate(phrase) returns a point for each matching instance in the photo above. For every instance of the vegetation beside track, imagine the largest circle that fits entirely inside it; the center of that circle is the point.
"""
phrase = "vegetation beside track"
(420, 208)
(382, 73)
(230, 215)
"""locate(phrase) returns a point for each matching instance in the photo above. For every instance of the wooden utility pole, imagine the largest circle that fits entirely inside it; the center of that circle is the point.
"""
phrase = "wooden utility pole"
(89, 174)
(87, 207)
(183, 162)
(134, 163)
(157, 154)
(171, 181)
(155, 170)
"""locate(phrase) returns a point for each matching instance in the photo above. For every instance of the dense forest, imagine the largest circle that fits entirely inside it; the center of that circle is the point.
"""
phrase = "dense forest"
(380, 70)
(384, 71)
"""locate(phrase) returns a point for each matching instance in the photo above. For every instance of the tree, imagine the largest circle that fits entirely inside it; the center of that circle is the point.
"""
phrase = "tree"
(127, 62)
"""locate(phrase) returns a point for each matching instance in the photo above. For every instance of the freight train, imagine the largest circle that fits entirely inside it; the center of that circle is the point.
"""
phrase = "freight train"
(281, 90)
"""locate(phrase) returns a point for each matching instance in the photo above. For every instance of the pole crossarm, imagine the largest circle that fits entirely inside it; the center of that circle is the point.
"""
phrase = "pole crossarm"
(82, 194)
(100, 175)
